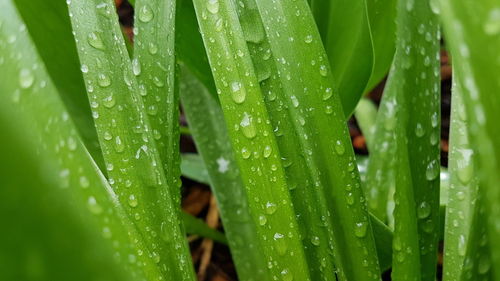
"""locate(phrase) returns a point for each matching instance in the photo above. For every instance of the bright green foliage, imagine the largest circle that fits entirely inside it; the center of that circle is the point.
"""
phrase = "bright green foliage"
(406, 151)
(472, 29)
(218, 163)
(462, 193)
(131, 156)
(252, 139)
(316, 114)
(70, 201)
(154, 66)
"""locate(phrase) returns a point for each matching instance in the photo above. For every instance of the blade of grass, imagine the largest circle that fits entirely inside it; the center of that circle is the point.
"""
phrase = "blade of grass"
(70, 187)
(316, 114)
(408, 126)
(463, 189)
(196, 226)
(310, 208)
(349, 48)
(62, 63)
(252, 138)
(471, 30)
(192, 165)
(127, 140)
(154, 66)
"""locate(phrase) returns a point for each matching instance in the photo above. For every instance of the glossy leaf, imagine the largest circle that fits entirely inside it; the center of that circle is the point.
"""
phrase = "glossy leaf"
(132, 159)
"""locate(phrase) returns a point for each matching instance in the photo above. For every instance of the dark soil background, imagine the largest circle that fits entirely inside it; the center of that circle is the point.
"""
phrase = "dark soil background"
(213, 260)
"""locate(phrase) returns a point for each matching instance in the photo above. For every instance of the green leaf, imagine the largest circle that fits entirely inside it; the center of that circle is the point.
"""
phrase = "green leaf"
(349, 48)
(472, 30)
(406, 153)
(154, 66)
(314, 109)
(198, 227)
(381, 19)
(69, 199)
(462, 193)
(250, 131)
(57, 49)
(192, 166)
(130, 152)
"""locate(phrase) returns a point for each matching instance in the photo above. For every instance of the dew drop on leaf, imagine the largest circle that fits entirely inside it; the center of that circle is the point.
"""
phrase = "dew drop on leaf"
(360, 229)
(238, 94)
(270, 208)
(94, 40)
(26, 78)
(103, 80)
(247, 126)
(432, 170)
(424, 210)
(146, 13)
(213, 6)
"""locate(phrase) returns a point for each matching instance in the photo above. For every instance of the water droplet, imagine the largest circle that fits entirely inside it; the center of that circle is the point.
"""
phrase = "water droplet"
(248, 126)
(103, 80)
(165, 232)
(465, 165)
(26, 78)
(213, 6)
(109, 101)
(432, 170)
(132, 201)
(93, 206)
(419, 130)
(145, 13)
(84, 182)
(94, 40)
(295, 102)
(484, 264)
(286, 275)
(308, 39)
(424, 210)
(270, 208)
(142, 90)
(238, 94)
(153, 49)
(461, 245)
(315, 240)
(492, 24)
(136, 67)
(323, 71)
(84, 68)
(280, 244)
(119, 146)
(106, 232)
(267, 151)
(339, 147)
(328, 109)
(327, 94)
(245, 153)
(262, 220)
(360, 229)
(158, 82)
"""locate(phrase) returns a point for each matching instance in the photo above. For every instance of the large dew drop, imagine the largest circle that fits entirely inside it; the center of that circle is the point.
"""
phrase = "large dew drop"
(145, 13)
(94, 40)
(238, 94)
(248, 126)
(432, 170)
(26, 78)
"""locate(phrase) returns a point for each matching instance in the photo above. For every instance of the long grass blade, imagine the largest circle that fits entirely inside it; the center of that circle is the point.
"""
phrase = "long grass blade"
(154, 66)
(69, 199)
(463, 189)
(133, 163)
(312, 104)
(472, 30)
(218, 164)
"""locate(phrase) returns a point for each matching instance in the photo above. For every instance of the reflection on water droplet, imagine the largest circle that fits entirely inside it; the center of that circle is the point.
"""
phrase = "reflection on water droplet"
(132, 201)
(339, 147)
(238, 94)
(262, 220)
(315, 240)
(267, 151)
(419, 130)
(103, 80)
(360, 229)
(424, 210)
(136, 67)
(270, 208)
(213, 6)
(245, 153)
(26, 78)
(94, 40)
(432, 170)
(323, 71)
(93, 206)
(247, 126)
(145, 13)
